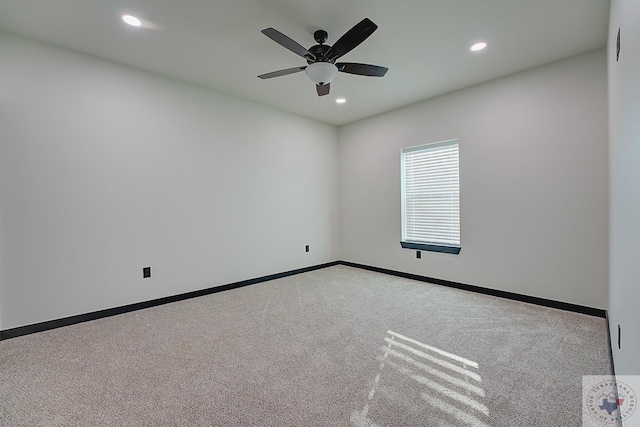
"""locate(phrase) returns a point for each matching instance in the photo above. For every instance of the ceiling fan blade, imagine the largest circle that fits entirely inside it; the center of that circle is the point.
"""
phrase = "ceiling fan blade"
(361, 69)
(323, 89)
(281, 72)
(288, 42)
(351, 39)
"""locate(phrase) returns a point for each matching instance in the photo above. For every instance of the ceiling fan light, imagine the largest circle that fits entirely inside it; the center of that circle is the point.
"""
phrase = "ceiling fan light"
(321, 73)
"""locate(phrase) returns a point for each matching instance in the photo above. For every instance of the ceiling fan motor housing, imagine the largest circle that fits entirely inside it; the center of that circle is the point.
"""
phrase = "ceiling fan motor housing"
(319, 52)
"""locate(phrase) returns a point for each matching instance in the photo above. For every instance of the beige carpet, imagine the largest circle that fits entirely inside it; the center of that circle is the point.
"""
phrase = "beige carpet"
(338, 346)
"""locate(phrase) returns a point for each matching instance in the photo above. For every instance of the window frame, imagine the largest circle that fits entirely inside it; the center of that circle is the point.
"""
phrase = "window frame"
(431, 246)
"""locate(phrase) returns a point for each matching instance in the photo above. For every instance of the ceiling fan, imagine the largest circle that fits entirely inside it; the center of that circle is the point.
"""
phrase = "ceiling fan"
(321, 58)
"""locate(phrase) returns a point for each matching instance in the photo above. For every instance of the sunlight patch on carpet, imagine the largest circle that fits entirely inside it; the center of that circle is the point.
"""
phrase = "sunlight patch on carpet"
(443, 385)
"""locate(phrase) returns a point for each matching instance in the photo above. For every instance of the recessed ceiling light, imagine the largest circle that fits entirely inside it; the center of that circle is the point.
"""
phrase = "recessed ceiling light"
(478, 46)
(132, 20)
(341, 101)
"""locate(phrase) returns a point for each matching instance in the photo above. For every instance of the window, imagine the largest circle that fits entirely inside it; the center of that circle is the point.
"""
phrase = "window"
(431, 197)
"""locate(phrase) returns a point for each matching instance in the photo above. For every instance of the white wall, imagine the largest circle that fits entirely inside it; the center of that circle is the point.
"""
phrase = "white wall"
(107, 169)
(624, 122)
(534, 183)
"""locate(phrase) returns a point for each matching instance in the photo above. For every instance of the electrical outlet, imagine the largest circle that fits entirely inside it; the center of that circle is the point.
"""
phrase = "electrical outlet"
(146, 272)
(306, 248)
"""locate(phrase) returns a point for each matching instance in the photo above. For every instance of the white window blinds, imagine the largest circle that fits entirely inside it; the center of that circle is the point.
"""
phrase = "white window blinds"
(431, 194)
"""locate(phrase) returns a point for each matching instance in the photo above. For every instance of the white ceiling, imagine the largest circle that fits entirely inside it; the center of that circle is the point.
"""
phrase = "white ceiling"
(218, 44)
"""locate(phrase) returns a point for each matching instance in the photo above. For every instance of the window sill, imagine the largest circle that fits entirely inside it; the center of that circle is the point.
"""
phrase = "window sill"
(431, 248)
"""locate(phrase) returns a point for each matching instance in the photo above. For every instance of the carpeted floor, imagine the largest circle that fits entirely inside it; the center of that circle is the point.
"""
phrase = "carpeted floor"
(333, 347)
